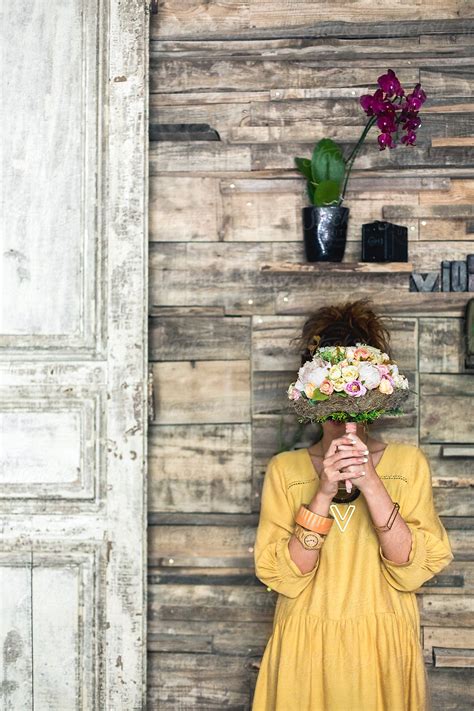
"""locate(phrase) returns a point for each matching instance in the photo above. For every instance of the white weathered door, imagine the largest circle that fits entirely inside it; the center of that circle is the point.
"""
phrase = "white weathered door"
(73, 356)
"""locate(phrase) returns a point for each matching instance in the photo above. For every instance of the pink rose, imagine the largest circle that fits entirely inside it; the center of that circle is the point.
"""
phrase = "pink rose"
(326, 387)
(361, 353)
(383, 369)
(355, 388)
(295, 394)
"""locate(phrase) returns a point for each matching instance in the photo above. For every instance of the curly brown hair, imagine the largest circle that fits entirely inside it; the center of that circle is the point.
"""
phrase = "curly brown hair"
(343, 325)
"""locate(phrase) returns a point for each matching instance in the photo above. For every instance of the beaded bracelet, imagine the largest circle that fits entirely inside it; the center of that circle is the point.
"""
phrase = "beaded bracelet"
(389, 523)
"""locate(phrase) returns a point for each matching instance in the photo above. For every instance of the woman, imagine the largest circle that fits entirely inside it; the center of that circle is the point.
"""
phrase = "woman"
(346, 624)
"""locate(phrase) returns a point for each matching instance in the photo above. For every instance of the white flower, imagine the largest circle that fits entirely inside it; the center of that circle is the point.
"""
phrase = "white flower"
(400, 381)
(370, 375)
(350, 373)
(312, 373)
(335, 372)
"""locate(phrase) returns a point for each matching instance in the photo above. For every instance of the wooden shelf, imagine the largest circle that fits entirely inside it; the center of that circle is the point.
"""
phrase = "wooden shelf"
(338, 267)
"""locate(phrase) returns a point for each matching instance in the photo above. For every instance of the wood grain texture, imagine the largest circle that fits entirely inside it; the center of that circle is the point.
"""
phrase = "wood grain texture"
(73, 360)
(270, 79)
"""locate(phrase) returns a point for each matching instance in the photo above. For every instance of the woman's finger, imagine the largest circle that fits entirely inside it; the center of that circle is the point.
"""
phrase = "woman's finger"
(349, 475)
(345, 459)
(335, 443)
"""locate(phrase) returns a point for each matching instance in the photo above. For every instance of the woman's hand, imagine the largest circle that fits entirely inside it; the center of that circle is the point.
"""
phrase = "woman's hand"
(344, 454)
(371, 475)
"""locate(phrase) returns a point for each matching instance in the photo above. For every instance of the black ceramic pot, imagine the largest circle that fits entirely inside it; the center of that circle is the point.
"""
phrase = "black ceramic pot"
(325, 232)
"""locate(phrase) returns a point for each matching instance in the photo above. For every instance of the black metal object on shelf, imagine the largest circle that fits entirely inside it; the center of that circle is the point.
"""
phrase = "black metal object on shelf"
(384, 242)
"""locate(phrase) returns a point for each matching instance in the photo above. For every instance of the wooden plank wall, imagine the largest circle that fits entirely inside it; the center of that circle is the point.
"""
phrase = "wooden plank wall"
(238, 89)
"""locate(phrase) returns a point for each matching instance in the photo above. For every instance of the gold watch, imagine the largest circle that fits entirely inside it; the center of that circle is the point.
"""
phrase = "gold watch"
(310, 539)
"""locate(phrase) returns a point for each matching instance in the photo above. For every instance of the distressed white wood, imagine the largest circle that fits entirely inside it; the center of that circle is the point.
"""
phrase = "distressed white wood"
(56, 666)
(16, 682)
(51, 441)
(42, 446)
(49, 174)
(73, 344)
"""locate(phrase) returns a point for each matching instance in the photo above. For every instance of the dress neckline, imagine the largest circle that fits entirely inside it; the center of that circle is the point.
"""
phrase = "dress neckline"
(381, 460)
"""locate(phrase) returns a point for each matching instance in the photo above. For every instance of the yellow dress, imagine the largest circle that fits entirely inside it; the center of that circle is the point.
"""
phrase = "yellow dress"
(346, 635)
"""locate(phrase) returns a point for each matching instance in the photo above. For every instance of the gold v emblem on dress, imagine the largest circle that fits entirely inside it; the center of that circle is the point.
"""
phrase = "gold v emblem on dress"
(340, 518)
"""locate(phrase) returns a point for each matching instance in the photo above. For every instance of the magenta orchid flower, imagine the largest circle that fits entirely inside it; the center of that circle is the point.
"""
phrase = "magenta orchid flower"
(392, 111)
(389, 107)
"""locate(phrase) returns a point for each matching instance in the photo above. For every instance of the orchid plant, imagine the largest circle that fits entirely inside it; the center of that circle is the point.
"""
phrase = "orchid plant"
(391, 110)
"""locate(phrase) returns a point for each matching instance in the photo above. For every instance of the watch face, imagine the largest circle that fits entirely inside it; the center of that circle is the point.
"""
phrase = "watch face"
(311, 539)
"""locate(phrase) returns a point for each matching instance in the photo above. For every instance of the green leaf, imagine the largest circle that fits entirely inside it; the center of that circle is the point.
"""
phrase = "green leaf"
(318, 396)
(327, 162)
(310, 188)
(304, 167)
(327, 193)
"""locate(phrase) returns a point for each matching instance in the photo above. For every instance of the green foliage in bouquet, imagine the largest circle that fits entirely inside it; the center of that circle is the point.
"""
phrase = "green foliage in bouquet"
(367, 417)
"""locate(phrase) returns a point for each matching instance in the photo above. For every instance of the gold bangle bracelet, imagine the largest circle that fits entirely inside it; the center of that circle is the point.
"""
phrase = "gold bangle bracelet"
(389, 523)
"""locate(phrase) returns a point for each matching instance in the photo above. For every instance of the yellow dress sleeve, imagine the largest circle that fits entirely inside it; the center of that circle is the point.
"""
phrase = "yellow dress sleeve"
(273, 564)
(430, 550)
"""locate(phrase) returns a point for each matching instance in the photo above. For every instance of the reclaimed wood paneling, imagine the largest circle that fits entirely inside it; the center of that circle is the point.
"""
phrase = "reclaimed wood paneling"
(263, 82)
(200, 468)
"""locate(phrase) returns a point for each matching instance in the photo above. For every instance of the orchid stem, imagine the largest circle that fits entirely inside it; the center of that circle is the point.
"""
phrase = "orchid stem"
(353, 155)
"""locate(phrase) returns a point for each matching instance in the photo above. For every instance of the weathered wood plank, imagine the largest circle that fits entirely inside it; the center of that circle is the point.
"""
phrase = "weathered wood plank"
(449, 471)
(197, 603)
(447, 610)
(447, 81)
(178, 21)
(450, 688)
(452, 141)
(455, 637)
(300, 300)
(444, 46)
(246, 74)
(197, 681)
(441, 345)
(198, 157)
(452, 657)
(295, 125)
(191, 156)
(194, 337)
(337, 267)
(200, 468)
(184, 209)
(460, 191)
(401, 212)
(441, 230)
(446, 408)
(209, 636)
(201, 392)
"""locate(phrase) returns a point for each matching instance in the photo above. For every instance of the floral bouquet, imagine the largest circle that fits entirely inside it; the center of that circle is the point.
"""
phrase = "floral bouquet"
(348, 383)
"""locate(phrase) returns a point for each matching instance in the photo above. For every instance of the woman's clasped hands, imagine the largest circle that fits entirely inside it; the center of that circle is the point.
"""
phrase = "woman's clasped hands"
(347, 457)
